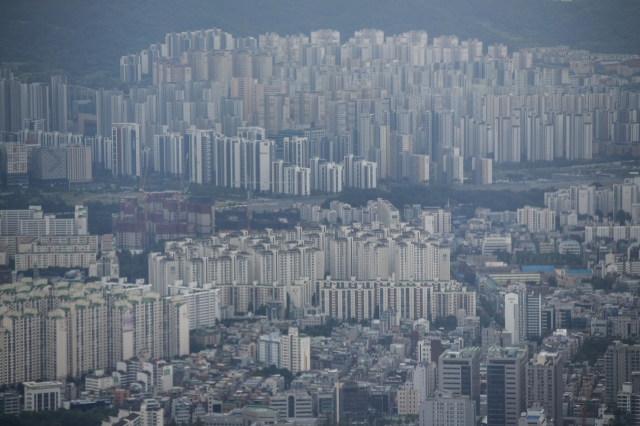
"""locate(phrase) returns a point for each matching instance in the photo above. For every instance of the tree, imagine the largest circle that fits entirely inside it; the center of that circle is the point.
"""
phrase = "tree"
(93, 417)
(605, 284)
(470, 278)
(195, 347)
(273, 370)
(448, 323)
(11, 420)
(591, 350)
(622, 217)
(503, 256)
(485, 321)
(318, 330)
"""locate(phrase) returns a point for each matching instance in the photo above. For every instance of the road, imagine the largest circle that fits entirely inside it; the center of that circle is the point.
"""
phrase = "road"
(525, 186)
(285, 203)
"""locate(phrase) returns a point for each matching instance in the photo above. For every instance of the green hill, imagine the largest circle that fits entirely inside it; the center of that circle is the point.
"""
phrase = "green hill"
(85, 38)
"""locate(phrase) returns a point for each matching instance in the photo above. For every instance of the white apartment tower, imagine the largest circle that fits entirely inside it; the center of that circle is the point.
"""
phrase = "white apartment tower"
(126, 153)
(296, 351)
(523, 315)
(270, 349)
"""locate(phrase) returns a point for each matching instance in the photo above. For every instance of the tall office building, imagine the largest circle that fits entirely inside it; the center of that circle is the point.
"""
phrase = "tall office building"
(506, 379)
(523, 315)
(533, 315)
(459, 372)
(513, 317)
(545, 385)
(352, 402)
(620, 361)
(447, 409)
(628, 401)
(423, 379)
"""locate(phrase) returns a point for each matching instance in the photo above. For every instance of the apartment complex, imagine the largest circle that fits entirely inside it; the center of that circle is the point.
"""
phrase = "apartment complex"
(84, 329)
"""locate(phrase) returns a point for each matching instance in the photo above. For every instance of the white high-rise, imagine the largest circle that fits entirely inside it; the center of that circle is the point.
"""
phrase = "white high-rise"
(200, 146)
(523, 315)
(126, 154)
(270, 349)
(296, 351)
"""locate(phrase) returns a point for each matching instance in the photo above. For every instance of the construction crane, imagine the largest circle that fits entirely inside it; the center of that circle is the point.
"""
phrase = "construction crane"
(250, 185)
(586, 392)
(183, 189)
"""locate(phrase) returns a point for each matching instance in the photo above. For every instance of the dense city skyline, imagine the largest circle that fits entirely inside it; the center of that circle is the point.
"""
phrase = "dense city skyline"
(312, 229)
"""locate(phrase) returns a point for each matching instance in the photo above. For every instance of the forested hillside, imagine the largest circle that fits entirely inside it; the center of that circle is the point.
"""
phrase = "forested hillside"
(85, 38)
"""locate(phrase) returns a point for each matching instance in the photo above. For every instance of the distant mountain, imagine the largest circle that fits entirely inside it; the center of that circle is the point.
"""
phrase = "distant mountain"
(85, 38)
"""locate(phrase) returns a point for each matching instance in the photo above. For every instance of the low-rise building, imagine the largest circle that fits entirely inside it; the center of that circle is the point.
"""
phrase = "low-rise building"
(42, 396)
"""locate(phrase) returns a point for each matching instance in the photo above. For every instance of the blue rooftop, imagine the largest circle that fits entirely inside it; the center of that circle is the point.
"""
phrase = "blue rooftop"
(537, 268)
(578, 271)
